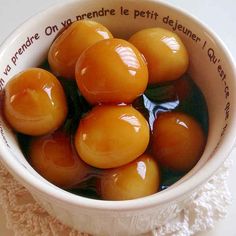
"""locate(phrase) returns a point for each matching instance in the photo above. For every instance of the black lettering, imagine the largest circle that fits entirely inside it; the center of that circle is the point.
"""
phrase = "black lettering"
(227, 109)
(165, 19)
(211, 55)
(89, 15)
(1, 84)
(7, 69)
(49, 30)
(124, 11)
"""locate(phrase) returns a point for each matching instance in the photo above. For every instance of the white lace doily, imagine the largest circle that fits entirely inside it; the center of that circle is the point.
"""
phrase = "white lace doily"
(203, 209)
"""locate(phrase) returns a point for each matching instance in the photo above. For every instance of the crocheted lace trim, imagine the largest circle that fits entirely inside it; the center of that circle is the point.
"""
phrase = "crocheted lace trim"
(202, 210)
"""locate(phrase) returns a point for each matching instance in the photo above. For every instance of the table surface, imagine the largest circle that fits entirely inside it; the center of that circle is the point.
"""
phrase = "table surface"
(219, 15)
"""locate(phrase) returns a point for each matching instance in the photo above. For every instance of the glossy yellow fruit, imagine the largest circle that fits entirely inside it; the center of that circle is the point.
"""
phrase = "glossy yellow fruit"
(35, 102)
(137, 179)
(111, 71)
(54, 157)
(66, 49)
(178, 141)
(165, 53)
(111, 136)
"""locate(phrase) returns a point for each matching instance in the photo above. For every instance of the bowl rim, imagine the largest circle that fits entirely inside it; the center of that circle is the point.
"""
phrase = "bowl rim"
(163, 197)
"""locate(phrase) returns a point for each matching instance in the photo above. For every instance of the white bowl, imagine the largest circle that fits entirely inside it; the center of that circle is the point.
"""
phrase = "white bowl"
(211, 67)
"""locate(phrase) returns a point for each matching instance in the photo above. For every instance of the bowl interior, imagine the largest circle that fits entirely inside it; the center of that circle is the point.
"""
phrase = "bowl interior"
(210, 67)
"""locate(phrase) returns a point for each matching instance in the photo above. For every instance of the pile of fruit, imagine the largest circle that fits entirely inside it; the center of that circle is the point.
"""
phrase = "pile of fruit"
(109, 118)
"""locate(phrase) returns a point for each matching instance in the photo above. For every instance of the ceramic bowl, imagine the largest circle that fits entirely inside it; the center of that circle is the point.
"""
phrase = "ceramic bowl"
(211, 67)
